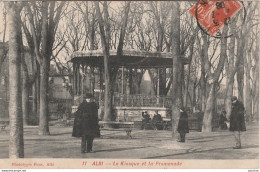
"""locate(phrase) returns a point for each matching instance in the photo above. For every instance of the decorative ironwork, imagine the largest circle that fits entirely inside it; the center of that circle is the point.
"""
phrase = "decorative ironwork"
(137, 100)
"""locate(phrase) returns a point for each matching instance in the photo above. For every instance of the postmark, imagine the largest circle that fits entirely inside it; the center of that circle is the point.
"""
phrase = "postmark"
(212, 15)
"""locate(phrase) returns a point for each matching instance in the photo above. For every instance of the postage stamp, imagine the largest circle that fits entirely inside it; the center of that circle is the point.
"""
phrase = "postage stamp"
(212, 15)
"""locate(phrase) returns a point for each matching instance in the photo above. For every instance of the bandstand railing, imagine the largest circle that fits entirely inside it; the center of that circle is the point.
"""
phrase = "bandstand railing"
(136, 100)
(139, 100)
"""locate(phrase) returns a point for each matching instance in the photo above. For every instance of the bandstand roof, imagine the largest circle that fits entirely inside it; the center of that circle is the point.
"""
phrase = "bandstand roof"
(129, 58)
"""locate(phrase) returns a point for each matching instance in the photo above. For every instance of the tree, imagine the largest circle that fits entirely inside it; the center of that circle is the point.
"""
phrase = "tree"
(249, 40)
(123, 29)
(104, 28)
(255, 71)
(176, 84)
(43, 49)
(213, 82)
(239, 62)
(3, 57)
(242, 39)
(33, 82)
(105, 34)
(27, 83)
(160, 11)
(16, 142)
(230, 69)
(188, 38)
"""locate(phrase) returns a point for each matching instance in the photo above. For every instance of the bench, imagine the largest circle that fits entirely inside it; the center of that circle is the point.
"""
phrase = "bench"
(64, 123)
(128, 126)
(165, 124)
(195, 124)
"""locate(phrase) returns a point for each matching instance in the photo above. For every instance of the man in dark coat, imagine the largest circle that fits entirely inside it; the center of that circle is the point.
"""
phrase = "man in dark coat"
(157, 121)
(86, 123)
(237, 120)
(183, 126)
(146, 119)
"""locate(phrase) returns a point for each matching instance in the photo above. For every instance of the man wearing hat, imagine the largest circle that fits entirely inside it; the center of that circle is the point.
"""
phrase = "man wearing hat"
(237, 120)
(88, 128)
(183, 125)
(146, 119)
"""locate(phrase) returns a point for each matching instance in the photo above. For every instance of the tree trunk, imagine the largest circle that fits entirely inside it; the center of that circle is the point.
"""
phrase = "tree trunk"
(240, 67)
(34, 89)
(176, 84)
(186, 90)
(161, 72)
(247, 96)
(162, 81)
(203, 80)
(38, 95)
(213, 81)
(43, 32)
(256, 84)
(203, 93)
(25, 91)
(256, 93)
(247, 92)
(231, 71)
(229, 94)
(123, 29)
(92, 34)
(208, 114)
(34, 100)
(43, 123)
(105, 38)
(44, 68)
(25, 99)
(16, 143)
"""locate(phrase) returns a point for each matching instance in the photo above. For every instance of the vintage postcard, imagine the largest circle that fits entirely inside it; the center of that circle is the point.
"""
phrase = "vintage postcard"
(129, 84)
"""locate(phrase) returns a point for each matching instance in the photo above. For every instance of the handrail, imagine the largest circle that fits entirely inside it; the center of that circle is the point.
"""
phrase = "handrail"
(134, 100)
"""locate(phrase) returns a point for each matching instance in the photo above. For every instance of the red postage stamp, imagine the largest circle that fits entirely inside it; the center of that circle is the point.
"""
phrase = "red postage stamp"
(213, 14)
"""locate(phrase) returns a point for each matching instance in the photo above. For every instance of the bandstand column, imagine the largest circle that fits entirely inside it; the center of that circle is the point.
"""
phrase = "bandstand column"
(130, 81)
(82, 80)
(122, 87)
(100, 84)
(92, 80)
(122, 81)
(89, 84)
(136, 80)
(77, 79)
(162, 86)
(74, 78)
(100, 78)
(158, 85)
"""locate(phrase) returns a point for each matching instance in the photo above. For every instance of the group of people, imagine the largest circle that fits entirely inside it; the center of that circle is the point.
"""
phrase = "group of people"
(86, 122)
(157, 121)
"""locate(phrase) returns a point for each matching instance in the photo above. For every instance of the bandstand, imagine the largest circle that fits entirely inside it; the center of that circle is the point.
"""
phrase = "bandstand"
(128, 100)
